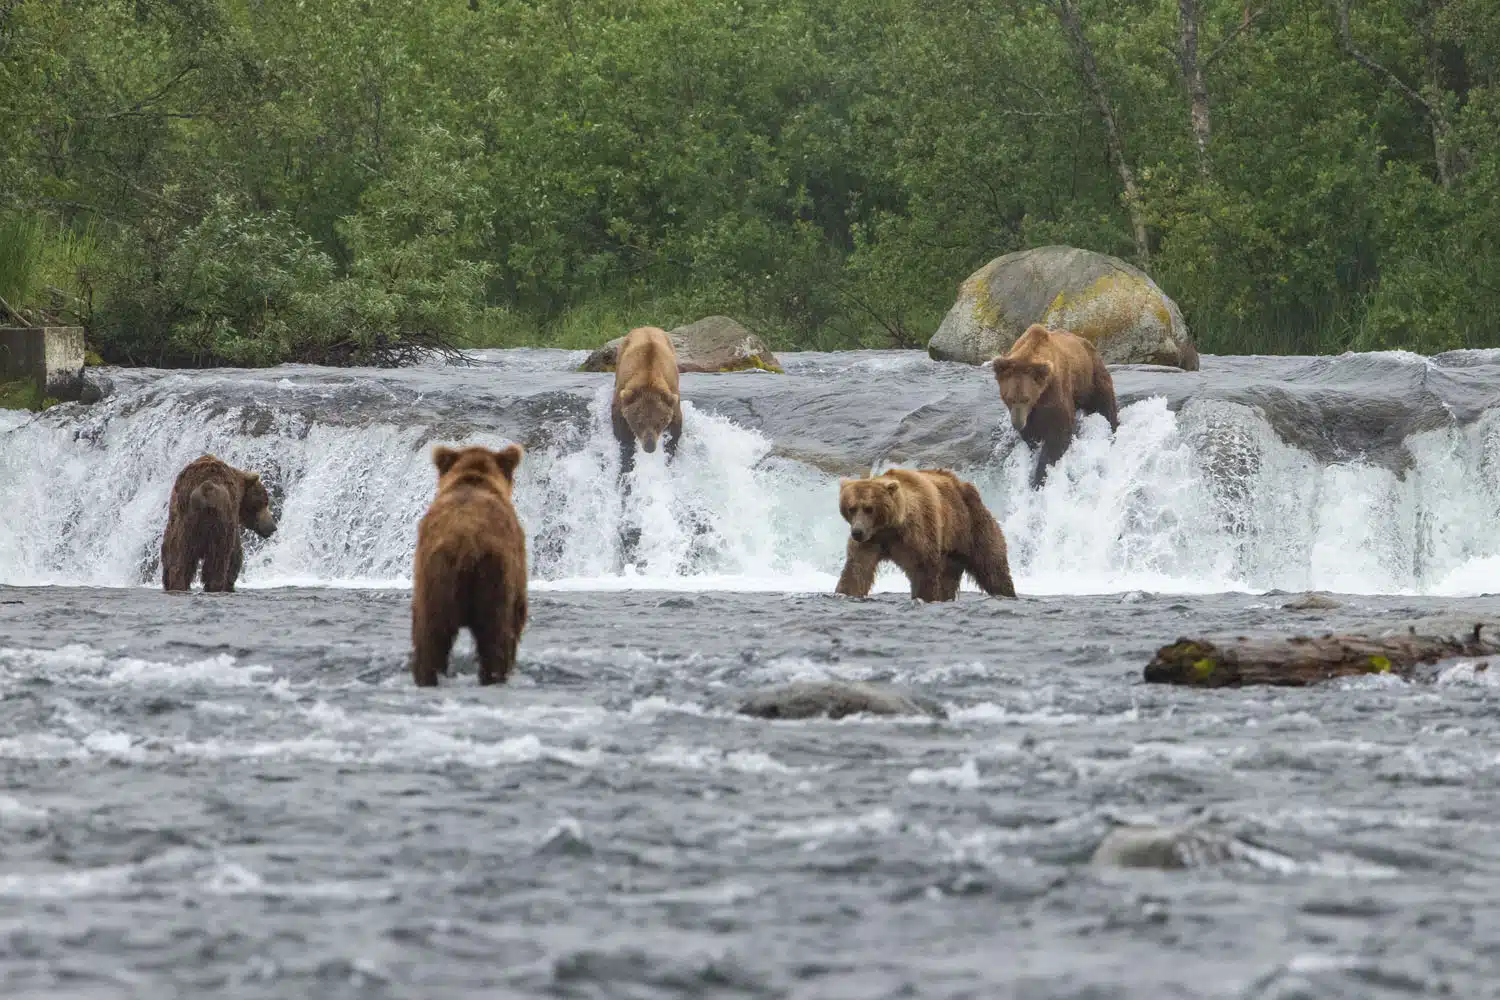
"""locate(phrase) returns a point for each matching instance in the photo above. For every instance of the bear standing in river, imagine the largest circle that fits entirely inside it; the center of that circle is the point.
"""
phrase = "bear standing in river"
(647, 401)
(930, 523)
(1048, 376)
(211, 502)
(471, 565)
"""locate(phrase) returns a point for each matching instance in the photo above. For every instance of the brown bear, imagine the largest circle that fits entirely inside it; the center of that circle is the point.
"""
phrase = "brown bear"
(211, 501)
(1048, 376)
(647, 402)
(471, 565)
(930, 523)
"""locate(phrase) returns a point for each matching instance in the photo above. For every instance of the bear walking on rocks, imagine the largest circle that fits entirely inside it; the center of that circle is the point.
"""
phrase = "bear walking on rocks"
(471, 565)
(1048, 376)
(930, 523)
(211, 501)
(647, 402)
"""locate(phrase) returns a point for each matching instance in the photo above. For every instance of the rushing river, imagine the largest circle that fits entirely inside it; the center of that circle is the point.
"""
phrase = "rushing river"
(243, 795)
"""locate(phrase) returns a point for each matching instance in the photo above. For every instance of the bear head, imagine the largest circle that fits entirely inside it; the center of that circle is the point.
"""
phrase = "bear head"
(871, 505)
(1021, 385)
(477, 466)
(648, 410)
(255, 507)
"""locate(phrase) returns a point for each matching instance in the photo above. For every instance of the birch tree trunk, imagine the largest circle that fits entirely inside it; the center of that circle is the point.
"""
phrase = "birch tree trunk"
(1067, 15)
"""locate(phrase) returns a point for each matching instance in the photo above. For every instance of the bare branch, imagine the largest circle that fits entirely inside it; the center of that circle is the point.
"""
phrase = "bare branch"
(1239, 29)
(1346, 40)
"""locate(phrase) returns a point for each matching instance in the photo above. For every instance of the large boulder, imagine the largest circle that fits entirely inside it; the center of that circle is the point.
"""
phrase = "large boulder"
(713, 344)
(1101, 298)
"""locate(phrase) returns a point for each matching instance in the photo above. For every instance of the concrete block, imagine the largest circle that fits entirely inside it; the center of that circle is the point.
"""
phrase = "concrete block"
(52, 355)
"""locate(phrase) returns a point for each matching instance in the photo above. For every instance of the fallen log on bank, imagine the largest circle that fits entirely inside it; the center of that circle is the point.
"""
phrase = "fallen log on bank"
(1302, 660)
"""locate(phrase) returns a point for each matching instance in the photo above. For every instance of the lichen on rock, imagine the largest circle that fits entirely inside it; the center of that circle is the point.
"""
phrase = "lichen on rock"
(1098, 297)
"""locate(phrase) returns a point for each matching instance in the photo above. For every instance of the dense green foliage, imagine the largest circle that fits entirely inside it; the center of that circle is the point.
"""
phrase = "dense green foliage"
(247, 181)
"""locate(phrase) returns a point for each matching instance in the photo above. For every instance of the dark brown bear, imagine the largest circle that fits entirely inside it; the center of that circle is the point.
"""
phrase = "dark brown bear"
(1045, 380)
(930, 523)
(211, 502)
(647, 402)
(471, 565)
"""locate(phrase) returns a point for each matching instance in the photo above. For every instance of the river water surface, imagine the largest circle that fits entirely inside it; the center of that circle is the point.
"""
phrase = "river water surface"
(243, 795)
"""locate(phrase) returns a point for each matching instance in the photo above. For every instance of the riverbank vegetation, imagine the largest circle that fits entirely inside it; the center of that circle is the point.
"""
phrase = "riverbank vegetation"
(240, 182)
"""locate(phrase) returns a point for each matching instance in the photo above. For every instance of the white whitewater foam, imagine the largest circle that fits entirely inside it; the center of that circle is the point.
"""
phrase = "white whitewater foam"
(1205, 500)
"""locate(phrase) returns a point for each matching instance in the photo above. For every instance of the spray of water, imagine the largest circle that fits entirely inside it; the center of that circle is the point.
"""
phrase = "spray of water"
(1205, 499)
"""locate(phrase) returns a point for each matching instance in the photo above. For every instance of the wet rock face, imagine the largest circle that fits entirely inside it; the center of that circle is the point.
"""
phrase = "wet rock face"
(836, 699)
(712, 344)
(1101, 298)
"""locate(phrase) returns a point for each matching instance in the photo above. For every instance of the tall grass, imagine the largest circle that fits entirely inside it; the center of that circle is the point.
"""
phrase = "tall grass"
(21, 255)
(45, 264)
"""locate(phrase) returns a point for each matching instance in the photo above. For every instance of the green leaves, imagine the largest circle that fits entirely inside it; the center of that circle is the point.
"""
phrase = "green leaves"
(348, 181)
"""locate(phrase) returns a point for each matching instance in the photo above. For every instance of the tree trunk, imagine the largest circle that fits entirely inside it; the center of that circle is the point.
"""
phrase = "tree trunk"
(1430, 107)
(1067, 15)
(1192, 76)
(1303, 660)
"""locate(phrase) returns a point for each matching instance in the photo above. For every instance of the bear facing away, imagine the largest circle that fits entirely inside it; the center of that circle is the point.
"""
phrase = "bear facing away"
(930, 523)
(211, 501)
(647, 402)
(471, 565)
(1048, 376)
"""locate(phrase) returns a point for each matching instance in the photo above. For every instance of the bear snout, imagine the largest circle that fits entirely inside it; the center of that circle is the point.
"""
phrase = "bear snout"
(858, 534)
(1018, 415)
(265, 524)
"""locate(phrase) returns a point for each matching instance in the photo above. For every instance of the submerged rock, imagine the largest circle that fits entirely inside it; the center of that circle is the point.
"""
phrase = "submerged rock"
(1166, 848)
(836, 699)
(713, 344)
(1100, 298)
(1312, 601)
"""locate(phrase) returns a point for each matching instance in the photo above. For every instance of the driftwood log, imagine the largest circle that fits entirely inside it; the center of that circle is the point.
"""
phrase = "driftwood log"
(1303, 660)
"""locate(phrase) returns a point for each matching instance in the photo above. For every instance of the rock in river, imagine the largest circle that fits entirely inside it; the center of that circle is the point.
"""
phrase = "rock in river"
(836, 699)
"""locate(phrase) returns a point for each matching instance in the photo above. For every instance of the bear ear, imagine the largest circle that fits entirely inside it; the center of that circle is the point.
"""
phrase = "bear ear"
(443, 457)
(508, 458)
(626, 395)
(1002, 365)
(1043, 370)
(891, 485)
(252, 478)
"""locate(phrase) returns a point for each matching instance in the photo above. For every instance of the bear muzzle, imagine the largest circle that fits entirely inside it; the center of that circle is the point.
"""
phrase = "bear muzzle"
(265, 524)
(648, 443)
(1018, 415)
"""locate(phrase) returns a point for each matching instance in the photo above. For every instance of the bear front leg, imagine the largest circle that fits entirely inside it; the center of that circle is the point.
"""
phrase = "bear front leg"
(953, 576)
(860, 562)
(673, 436)
(626, 438)
(1051, 447)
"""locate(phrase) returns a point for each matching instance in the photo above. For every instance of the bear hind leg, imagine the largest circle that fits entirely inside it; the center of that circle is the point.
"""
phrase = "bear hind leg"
(495, 642)
(218, 570)
(430, 648)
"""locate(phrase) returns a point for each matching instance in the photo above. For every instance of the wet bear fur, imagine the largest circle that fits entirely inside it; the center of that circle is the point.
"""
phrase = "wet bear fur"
(1048, 377)
(471, 565)
(211, 501)
(647, 403)
(930, 523)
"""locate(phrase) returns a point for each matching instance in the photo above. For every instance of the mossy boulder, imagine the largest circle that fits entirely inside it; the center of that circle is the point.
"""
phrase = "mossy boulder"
(713, 344)
(1100, 298)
